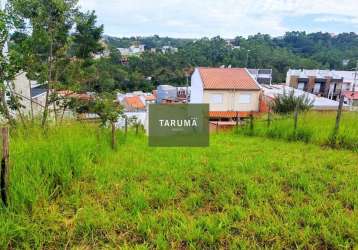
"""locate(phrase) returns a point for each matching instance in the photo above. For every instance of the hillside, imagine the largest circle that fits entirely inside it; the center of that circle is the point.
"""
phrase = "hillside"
(70, 190)
(293, 50)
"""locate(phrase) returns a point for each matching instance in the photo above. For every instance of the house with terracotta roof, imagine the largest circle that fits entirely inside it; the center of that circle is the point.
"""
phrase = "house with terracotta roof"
(231, 92)
(351, 98)
(134, 103)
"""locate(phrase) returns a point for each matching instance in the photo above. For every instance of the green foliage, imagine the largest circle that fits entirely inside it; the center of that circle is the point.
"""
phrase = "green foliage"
(87, 36)
(287, 103)
(70, 190)
(106, 108)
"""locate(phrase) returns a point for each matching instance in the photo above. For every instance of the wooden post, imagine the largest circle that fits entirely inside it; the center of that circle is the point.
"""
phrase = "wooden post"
(113, 135)
(338, 118)
(237, 122)
(126, 125)
(136, 128)
(4, 183)
(251, 122)
(295, 118)
(217, 126)
(269, 118)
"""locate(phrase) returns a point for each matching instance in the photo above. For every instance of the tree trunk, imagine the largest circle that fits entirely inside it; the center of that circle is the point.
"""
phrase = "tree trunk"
(4, 182)
(6, 111)
(49, 81)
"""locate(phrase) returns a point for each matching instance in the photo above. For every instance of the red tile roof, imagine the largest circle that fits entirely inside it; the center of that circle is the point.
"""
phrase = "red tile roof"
(134, 101)
(228, 78)
(351, 96)
(229, 114)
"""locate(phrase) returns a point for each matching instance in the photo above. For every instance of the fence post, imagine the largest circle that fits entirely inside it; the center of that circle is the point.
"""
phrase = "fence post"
(269, 118)
(237, 122)
(338, 118)
(5, 168)
(295, 118)
(126, 125)
(113, 135)
(251, 122)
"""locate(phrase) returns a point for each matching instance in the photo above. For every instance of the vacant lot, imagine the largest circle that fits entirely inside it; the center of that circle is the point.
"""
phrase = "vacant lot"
(70, 190)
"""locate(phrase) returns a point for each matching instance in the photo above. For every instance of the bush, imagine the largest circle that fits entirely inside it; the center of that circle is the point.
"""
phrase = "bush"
(288, 102)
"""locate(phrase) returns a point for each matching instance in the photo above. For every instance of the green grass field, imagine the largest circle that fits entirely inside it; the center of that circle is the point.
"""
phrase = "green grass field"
(313, 127)
(69, 190)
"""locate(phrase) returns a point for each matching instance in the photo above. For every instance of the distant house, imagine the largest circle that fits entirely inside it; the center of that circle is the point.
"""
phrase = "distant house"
(134, 103)
(171, 94)
(166, 93)
(31, 94)
(262, 76)
(351, 98)
(132, 50)
(327, 83)
(169, 49)
(231, 92)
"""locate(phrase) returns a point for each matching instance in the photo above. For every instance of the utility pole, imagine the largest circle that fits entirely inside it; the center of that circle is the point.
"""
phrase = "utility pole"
(355, 78)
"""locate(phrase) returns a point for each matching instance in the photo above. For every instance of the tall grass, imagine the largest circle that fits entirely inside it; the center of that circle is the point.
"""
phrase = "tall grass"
(313, 127)
(70, 190)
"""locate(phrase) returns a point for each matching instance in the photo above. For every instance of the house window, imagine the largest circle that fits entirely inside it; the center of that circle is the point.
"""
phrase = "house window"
(301, 85)
(244, 99)
(317, 88)
(216, 99)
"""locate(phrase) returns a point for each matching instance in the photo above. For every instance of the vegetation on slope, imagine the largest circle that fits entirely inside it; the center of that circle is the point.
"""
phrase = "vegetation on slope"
(69, 190)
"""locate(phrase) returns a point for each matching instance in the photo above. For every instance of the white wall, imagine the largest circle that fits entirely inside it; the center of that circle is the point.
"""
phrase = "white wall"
(197, 92)
(231, 100)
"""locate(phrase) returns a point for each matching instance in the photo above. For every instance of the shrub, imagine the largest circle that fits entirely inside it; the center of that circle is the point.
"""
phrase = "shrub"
(288, 102)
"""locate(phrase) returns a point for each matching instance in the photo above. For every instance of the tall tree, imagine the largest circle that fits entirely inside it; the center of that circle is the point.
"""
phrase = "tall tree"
(45, 37)
(8, 62)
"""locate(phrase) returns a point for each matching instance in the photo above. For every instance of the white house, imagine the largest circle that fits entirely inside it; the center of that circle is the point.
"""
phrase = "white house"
(230, 92)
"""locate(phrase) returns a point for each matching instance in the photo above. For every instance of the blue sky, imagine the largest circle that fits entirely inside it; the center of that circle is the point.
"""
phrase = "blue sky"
(227, 18)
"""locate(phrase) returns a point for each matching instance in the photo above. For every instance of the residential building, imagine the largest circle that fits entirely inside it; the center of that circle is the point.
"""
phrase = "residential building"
(231, 92)
(262, 76)
(32, 95)
(169, 49)
(132, 50)
(134, 103)
(327, 83)
(351, 98)
(270, 92)
(171, 94)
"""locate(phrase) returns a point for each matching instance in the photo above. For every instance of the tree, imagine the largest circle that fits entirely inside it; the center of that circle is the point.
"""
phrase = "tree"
(9, 65)
(47, 47)
(45, 38)
(87, 35)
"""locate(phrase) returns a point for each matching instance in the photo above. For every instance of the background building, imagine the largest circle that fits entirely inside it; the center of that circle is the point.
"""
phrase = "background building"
(327, 83)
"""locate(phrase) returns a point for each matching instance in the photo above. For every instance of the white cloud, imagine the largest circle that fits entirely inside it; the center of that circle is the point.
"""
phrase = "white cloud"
(228, 18)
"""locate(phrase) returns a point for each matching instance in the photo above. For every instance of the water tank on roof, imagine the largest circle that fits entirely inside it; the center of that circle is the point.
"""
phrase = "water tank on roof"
(166, 92)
